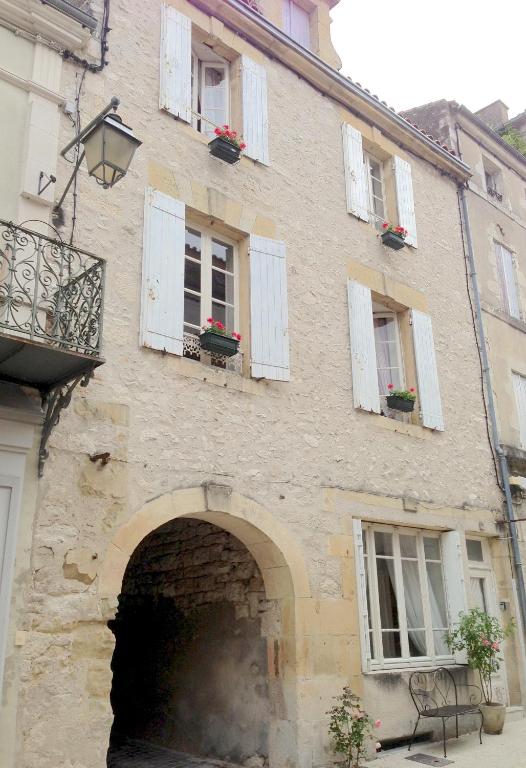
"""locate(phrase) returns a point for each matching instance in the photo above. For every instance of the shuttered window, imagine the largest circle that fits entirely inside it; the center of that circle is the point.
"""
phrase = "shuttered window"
(268, 309)
(356, 184)
(296, 23)
(402, 590)
(255, 115)
(405, 199)
(175, 94)
(426, 371)
(363, 351)
(195, 85)
(163, 273)
(507, 281)
(519, 385)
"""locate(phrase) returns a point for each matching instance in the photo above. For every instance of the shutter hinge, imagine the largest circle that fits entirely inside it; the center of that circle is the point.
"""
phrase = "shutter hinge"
(411, 319)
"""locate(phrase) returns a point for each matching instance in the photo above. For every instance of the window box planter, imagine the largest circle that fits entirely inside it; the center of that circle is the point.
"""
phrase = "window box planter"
(224, 150)
(392, 240)
(399, 404)
(217, 344)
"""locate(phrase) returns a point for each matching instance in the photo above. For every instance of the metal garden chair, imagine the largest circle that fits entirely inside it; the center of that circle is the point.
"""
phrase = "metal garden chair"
(435, 695)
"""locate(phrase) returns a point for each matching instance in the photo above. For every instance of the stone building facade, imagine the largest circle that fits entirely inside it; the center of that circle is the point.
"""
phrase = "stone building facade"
(270, 508)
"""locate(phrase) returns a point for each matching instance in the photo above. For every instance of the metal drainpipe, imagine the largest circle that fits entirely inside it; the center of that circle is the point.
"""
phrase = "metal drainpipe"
(502, 459)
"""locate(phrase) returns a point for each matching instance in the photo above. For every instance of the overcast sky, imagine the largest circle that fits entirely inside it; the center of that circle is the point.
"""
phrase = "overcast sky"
(414, 51)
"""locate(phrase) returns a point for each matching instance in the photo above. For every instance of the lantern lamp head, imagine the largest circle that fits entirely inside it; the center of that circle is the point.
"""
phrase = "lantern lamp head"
(109, 148)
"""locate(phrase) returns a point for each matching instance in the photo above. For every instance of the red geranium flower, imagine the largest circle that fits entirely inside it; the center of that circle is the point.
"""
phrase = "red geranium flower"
(390, 386)
(218, 131)
(385, 225)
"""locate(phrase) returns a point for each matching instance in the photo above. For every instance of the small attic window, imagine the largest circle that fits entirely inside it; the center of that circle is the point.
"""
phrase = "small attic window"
(296, 23)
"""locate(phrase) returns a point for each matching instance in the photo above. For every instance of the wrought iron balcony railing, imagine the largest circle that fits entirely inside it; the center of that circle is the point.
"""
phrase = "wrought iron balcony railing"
(51, 308)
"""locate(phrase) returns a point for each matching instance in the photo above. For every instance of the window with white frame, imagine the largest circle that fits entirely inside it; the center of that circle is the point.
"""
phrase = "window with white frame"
(480, 575)
(210, 282)
(375, 184)
(519, 385)
(406, 599)
(507, 281)
(492, 180)
(210, 89)
(389, 362)
(296, 23)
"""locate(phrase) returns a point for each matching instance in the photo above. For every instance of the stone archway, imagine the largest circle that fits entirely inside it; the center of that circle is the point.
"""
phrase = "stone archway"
(280, 564)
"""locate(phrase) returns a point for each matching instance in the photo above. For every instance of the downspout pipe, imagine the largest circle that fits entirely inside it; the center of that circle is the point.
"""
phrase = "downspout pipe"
(495, 437)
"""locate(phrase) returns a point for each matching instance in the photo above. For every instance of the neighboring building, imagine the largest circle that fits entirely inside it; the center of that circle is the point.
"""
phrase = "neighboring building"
(496, 199)
(218, 545)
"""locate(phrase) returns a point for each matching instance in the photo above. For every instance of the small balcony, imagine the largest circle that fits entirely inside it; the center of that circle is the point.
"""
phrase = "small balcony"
(51, 308)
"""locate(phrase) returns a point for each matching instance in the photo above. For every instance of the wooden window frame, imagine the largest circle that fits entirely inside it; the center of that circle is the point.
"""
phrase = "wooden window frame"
(376, 220)
(199, 122)
(377, 660)
(502, 282)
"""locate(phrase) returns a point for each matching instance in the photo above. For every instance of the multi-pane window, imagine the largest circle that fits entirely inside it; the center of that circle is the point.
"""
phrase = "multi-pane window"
(519, 385)
(479, 575)
(296, 23)
(406, 600)
(492, 181)
(210, 90)
(507, 281)
(389, 362)
(375, 183)
(210, 281)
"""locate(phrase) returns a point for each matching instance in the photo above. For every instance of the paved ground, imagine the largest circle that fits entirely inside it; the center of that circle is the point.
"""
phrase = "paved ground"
(135, 754)
(505, 751)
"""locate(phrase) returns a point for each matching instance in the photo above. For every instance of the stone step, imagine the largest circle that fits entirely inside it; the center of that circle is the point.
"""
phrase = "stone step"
(514, 713)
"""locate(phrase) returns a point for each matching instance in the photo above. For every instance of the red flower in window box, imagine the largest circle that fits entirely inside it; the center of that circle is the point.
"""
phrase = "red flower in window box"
(393, 237)
(401, 399)
(217, 340)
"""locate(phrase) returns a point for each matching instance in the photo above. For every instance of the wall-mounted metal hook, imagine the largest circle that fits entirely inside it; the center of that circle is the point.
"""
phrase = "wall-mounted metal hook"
(50, 180)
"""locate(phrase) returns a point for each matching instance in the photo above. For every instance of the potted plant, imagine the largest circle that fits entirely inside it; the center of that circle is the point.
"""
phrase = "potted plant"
(481, 635)
(227, 145)
(393, 237)
(216, 339)
(350, 727)
(401, 399)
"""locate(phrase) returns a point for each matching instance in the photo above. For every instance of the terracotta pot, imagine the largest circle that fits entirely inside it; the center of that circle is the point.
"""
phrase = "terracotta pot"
(494, 715)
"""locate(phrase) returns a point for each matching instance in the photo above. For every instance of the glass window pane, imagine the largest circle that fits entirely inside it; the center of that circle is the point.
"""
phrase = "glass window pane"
(441, 648)
(192, 275)
(383, 543)
(436, 595)
(225, 314)
(474, 548)
(391, 645)
(413, 595)
(387, 594)
(431, 548)
(222, 286)
(417, 643)
(192, 309)
(222, 256)
(407, 545)
(193, 244)
(214, 99)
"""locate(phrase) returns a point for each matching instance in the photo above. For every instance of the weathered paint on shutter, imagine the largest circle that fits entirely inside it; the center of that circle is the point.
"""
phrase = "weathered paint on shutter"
(268, 309)
(163, 273)
(455, 583)
(519, 385)
(175, 93)
(405, 199)
(355, 174)
(361, 581)
(255, 110)
(426, 371)
(363, 351)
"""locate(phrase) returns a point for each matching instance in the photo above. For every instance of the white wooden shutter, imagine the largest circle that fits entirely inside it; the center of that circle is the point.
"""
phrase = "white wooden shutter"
(176, 63)
(405, 199)
(426, 371)
(508, 280)
(361, 592)
(363, 351)
(163, 273)
(519, 385)
(455, 584)
(268, 309)
(255, 114)
(356, 187)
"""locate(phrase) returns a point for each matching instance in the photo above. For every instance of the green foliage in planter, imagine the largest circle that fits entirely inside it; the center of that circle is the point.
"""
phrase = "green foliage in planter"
(480, 635)
(403, 394)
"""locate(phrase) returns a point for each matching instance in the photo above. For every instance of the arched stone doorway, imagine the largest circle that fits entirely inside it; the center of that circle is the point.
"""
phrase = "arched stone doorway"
(253, 611)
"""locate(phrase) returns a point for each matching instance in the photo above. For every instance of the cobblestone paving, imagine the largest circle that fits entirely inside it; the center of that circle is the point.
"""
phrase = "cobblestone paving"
(135, 754)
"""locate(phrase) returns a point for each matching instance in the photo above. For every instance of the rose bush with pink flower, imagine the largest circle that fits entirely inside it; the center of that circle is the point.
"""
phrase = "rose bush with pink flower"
(350, 727)
(480, 635)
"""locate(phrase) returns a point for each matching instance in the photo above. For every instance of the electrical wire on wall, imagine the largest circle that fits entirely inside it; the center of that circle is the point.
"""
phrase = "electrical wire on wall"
(104, 29)
(78, 90)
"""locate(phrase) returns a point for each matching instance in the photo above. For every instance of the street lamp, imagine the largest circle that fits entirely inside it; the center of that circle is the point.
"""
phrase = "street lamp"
(109, 147)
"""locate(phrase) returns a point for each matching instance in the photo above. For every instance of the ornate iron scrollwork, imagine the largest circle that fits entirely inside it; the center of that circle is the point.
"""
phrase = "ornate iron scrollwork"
(54, 403)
